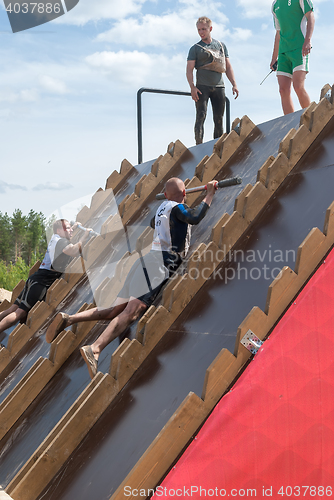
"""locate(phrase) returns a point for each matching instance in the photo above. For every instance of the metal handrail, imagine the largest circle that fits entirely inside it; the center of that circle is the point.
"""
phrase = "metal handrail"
(173, 92)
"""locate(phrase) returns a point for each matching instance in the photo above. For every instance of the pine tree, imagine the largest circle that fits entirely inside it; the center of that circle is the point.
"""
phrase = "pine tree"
(35, 241)
(5, 237)
(22, 243)
(19, 222)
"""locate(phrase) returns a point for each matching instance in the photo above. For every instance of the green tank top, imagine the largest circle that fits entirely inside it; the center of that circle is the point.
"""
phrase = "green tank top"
(290, 20)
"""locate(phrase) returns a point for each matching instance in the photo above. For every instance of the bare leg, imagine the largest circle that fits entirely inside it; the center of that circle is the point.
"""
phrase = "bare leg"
(96, 314)
(63, 320)
(131, 312)
(15, 314)
(284, 83)
(10, 309)
(298, 81)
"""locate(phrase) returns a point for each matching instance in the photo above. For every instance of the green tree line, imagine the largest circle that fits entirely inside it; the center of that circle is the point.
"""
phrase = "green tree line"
(22, 243)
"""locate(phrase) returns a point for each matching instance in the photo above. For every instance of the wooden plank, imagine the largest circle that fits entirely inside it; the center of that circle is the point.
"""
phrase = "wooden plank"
(116, 179)
(232, 230)
(211, 167)
(47, 460)
(255, 200)
(314, 240)
(199, 168)
(4, 305)
(215, 381)
(35, 267)
(240, 200)
(115, 357)
(277, 171)
(134, 203)
(217, 228)
(162, 318)
(225, 368)
(321, 115)
(263, 171)
(167, 444)
(246, 127)
(17, 290)
(278, 288)
(230, 145)
(285, 143)
(24, 394)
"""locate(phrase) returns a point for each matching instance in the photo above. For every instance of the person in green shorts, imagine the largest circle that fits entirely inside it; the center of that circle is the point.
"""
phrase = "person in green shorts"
(294, 23)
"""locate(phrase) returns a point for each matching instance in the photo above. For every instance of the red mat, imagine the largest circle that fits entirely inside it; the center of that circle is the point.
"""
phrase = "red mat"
(273, 433)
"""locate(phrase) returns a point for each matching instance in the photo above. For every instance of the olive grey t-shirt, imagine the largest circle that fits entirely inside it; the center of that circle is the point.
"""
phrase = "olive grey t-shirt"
(202, 57)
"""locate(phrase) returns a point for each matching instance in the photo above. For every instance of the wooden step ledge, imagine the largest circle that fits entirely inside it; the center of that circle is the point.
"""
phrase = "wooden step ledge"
(181, 427)
(127, 361)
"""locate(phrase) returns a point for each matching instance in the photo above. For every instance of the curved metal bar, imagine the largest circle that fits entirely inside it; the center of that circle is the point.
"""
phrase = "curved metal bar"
(172, 92)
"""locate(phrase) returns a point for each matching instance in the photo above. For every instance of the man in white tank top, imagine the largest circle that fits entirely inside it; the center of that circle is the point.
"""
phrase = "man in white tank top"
(59, 253)
(145, 279)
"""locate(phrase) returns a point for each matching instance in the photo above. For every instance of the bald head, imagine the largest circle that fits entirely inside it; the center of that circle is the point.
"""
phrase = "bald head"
(175, 189)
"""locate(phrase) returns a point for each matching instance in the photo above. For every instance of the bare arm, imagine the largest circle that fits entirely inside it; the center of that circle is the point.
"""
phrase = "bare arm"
(190, 77)
(74, 250)
(309, 32)
(211, 189)
(275, 49)
(231, 77)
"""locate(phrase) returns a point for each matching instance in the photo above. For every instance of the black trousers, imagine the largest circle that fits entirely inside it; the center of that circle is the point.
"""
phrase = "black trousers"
(217, 98)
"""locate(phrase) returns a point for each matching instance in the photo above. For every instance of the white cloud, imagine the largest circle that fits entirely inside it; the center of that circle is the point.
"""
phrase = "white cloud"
(28, 95)
(135, 68)
(88, 10)
(53, 85)
(170, 28)
(9, 95)
(240, 35)
(4, 186)
(262, 8)
(94, 122)
(150, 31)
(27, 81)
(53, 186)
(255, 8)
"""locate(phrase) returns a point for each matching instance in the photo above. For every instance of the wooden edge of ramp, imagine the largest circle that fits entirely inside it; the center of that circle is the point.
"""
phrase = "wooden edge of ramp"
(75, 425)
(221, 374)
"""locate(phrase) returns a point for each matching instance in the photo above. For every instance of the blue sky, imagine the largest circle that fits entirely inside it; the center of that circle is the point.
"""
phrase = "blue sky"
(68, 88)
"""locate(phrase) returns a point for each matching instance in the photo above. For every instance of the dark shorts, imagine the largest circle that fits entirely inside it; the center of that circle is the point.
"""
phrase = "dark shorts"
(145, 279)
(35, 288)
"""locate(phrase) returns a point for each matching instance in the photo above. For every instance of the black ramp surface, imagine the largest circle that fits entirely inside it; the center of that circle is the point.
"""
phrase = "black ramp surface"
(37, 346)
(207, 325)
(39, 419)
(178, 364)
(83, 293)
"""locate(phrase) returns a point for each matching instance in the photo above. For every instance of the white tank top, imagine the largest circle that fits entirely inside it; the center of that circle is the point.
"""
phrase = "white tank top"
(162, 240)
(50, 253)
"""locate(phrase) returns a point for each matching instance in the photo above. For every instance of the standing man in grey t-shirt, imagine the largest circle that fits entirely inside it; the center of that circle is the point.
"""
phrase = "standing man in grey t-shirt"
(210, 59)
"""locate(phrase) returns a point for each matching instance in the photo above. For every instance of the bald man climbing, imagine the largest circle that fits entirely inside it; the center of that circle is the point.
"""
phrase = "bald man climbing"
(149, 273)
